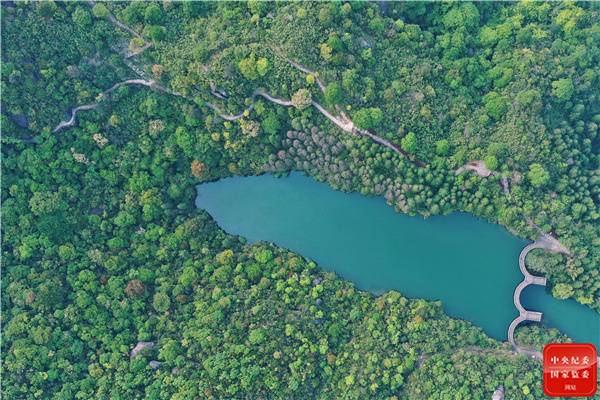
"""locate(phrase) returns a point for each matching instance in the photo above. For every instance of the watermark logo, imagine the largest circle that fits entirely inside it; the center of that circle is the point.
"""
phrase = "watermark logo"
(570, 370)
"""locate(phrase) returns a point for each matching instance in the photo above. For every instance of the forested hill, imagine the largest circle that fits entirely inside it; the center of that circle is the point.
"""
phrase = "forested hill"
(102, 247)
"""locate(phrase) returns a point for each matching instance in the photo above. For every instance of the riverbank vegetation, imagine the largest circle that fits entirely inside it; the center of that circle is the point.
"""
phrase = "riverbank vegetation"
(102, 247)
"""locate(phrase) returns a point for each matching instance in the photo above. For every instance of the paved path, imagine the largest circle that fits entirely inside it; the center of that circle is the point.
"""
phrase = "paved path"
(341, 120)
(144, 82)
(299, 67)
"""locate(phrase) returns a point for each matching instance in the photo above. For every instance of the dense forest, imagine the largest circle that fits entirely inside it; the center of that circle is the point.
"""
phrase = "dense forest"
(115, 287)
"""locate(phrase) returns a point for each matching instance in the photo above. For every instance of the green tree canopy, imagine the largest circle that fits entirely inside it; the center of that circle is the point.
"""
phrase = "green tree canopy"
(409, 142)
(537, 175)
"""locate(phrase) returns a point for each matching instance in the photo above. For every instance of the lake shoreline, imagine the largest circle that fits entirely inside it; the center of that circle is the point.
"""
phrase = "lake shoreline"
(262, 206)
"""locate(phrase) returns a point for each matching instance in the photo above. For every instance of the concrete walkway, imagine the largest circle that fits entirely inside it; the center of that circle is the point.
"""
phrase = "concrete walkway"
(545, 242)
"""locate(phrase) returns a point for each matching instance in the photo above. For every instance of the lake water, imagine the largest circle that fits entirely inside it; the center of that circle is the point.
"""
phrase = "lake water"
(469, 264)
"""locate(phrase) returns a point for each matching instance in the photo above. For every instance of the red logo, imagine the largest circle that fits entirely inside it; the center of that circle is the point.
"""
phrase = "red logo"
(570, 369)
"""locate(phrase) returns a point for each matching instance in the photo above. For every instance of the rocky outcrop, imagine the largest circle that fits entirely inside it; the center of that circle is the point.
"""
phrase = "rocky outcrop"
(477, 166)
(498, 393)
(141, 346)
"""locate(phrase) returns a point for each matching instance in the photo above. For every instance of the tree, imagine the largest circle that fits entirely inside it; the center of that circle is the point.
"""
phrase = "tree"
(537, 175)
(409, 142)
(251, 68)
(302, 99)
(136, 44)
(368, 118)
(151, 204)
(488, 36)
(224, 257)
(257, 6)
(563, 89)
(134, 12)
(497, 150)
(262, 66)
(249, 127)
(376, 117)
(247, 67)
(47, 8)
(135, 288)
(114, 120)
(153, 14)
(161, 302)
(495, 105)
(198, 168)
(362, 118)
(66, 251)
(326, 51)
(264, 256)
(169, 350)
(188, 276)
(334, 94)
(271, 124)
(201, 53)
(442, 147)
(301, 13)
(562, 291)
(158, 70)
(325, 15)
(377, 25)
(462, 15)
(185, 140)
(81, 17)
(256, 336)
(528, 97)
(491, 162)
(155, 32)
(100, 11)
(253, 271)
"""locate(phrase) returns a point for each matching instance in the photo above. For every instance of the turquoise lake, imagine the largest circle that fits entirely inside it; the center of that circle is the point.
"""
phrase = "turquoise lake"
(469, 264)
